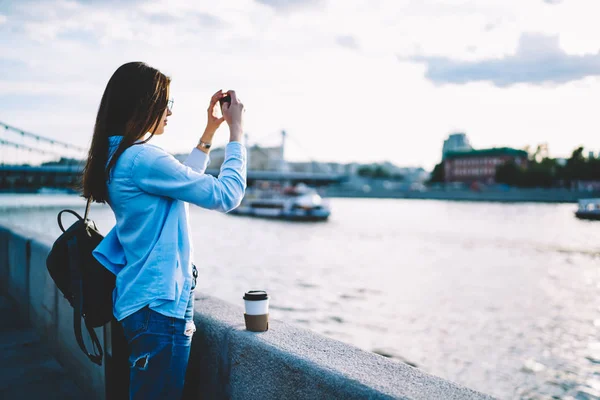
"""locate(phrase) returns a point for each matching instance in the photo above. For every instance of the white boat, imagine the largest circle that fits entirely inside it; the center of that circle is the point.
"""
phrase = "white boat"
(300, 203)
(588, 209)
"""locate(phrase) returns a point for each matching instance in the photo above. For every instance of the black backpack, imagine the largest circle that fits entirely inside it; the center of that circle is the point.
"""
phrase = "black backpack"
(84, 282)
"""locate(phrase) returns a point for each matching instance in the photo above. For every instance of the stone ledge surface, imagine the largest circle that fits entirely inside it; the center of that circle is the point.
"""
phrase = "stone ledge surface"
(292, 362)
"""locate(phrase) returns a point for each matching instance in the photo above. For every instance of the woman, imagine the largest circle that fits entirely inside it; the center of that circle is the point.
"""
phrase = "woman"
(149, 248)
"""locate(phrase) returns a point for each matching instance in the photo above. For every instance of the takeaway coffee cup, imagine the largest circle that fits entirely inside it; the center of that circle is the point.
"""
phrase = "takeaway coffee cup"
(257, 310)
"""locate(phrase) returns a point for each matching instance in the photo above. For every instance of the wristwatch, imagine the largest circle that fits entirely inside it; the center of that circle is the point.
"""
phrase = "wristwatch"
(204, 145)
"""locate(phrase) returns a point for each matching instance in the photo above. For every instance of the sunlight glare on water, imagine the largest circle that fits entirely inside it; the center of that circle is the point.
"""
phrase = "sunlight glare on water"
(502, 298)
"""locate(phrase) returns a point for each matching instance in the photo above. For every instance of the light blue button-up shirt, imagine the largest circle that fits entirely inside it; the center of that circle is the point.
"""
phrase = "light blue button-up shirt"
(149, 249)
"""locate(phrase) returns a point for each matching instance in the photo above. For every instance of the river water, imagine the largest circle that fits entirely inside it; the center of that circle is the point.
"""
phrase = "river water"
(502, 298)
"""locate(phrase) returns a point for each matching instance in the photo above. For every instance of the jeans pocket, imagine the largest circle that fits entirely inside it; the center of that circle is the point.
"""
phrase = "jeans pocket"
(136, 323)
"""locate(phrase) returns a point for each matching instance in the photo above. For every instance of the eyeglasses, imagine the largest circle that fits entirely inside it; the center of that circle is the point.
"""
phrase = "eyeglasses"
(170, 104)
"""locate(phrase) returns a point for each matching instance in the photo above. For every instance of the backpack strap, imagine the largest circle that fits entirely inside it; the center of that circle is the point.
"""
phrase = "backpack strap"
(77, 302)
(58, 217)
(87, 208)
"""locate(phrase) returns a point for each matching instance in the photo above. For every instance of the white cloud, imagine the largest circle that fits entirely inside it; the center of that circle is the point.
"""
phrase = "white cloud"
(538, 60)
(2, 19)
(287, 5)
(347, 41)
(292, 73)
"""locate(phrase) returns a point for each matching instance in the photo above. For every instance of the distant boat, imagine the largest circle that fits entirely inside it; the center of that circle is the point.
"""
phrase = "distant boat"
(299, 203)
(589, 209)
(282, 200)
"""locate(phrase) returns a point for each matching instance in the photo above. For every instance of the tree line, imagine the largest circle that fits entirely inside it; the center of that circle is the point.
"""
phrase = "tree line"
(550, 172)
(540, 171)
(377, 171)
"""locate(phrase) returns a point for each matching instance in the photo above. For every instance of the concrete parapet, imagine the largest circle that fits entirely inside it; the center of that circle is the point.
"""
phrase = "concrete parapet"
(28, 283)
(4, 235)
(42, 294)
(226, 361)
(29, 371)
(69, 354)
(18, 244)
(294, 363)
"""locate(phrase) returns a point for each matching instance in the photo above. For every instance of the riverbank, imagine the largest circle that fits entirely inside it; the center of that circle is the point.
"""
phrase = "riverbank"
(507, 196)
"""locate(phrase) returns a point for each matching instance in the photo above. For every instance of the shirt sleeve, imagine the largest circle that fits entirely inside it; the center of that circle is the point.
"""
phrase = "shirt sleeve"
(197, 160)
(157, 172)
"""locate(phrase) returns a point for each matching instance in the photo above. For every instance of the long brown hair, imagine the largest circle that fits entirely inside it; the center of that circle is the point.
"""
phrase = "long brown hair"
(132, 105)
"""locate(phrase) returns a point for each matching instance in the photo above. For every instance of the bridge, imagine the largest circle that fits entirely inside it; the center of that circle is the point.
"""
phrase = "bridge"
(61, 164)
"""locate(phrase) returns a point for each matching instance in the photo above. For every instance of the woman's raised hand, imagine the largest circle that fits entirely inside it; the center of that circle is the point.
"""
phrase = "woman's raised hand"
(215, 119)
(234, 115)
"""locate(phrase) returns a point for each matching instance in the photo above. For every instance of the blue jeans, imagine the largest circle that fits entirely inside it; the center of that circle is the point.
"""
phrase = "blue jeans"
(159, 350)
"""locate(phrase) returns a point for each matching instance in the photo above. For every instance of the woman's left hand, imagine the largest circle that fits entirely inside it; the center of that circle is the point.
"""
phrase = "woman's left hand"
(215, 118)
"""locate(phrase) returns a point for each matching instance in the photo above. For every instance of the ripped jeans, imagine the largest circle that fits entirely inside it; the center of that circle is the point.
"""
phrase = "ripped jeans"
(159, 350)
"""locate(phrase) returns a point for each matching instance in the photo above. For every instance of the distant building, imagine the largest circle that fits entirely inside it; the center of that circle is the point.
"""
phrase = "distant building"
(480, 165)
(259, 158)
(456, 142)
(322, 167)
(269, 159)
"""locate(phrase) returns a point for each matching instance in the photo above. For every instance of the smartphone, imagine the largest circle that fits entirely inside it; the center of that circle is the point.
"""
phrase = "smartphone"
(226, 99)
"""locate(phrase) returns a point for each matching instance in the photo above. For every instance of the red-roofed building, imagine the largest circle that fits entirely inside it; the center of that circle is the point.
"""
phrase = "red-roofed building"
(480, 165)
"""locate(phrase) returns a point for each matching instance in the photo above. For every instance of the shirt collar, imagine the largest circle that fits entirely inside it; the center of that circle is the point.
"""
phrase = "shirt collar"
(114, 140)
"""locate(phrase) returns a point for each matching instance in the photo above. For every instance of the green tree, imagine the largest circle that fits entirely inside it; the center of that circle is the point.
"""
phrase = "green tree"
(580, 168)
(437, 175)
(509, 173)
(379, 172)
(365, 171)
(375, 171)
(547, 172)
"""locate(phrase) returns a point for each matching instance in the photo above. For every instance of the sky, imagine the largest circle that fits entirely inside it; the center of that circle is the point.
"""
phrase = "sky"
(348, 80)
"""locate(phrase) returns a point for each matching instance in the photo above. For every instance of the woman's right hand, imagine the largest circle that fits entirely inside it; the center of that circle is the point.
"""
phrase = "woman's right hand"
(234, 116)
